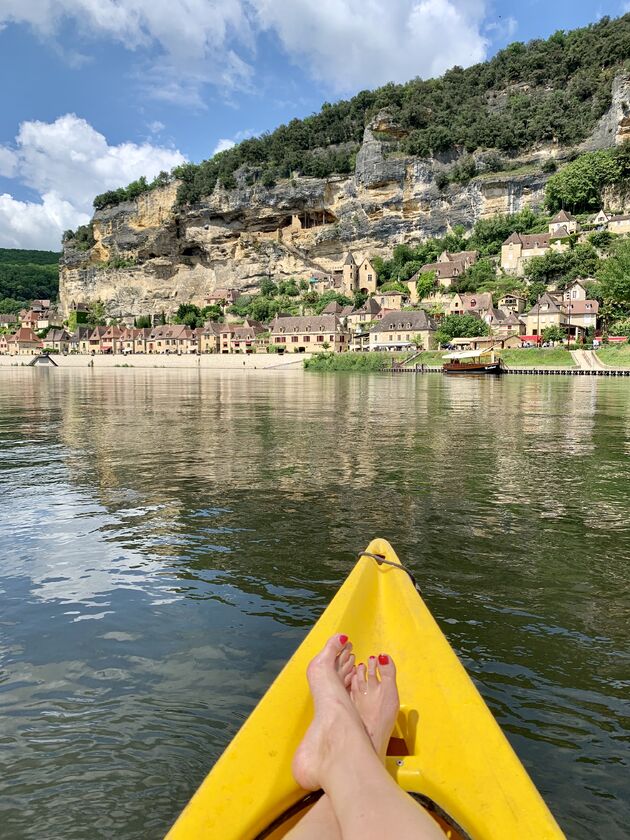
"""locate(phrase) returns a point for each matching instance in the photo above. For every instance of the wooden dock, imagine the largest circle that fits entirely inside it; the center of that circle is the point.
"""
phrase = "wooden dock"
(525, 371)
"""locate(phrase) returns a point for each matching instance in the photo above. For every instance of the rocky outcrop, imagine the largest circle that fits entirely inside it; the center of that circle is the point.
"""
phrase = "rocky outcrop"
(614, 127)
(149, 255)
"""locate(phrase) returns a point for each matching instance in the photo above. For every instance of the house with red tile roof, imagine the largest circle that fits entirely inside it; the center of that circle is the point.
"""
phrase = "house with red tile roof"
(24, 342)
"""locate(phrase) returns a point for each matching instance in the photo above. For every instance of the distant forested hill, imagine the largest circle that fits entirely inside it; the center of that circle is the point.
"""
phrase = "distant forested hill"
(554, 89)
(25, 275)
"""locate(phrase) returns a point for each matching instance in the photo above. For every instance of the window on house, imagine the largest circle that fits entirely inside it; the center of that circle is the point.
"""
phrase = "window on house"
(341, 339)
(320, 337)
(369, 278)
(306, 338)
(295, 339)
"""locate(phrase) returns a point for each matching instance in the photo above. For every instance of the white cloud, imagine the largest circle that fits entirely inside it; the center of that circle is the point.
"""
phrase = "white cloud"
(348, 44)
(502, 29)
(352, 44)
(229, 142)
(223, 145)
(67, 162)
(193, 37)
(156, 127)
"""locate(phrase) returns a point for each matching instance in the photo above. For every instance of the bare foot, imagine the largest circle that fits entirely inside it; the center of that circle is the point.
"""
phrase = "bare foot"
(376, 699)
(328, 675)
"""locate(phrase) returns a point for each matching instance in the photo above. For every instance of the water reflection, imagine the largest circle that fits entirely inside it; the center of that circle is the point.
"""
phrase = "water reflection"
(201, 522)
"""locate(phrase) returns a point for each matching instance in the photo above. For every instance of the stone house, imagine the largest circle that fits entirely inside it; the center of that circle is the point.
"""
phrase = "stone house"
(81, 333)
(448, 267)
(7, 320)
(370, 311)
(520, 247)
(309, 334)
(614, 224)
(94, 340)
(352, 277)
(4, 344)
(221, 297)
(357, 277)
(24, 342)
(171, 338)
(209, 337)
(391, 301)
(474, 303)
(513, 302)
(29, 319)
(58, 340)
(400, 330)
(110, 339)
(563, 220)
(250, 337)
(503, 323)
(546, 312)
(582, 314)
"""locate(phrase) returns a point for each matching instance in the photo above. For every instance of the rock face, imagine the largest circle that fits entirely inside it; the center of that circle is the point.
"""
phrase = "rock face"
(150, 255)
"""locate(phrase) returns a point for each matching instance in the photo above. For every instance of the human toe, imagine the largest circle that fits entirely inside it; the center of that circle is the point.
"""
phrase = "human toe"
(386, 667)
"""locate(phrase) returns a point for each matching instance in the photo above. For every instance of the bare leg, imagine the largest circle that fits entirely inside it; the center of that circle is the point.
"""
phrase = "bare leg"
(337, 755)
(321, 823)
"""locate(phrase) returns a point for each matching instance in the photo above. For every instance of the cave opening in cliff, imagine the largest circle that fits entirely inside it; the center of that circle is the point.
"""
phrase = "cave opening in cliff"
(315, 218)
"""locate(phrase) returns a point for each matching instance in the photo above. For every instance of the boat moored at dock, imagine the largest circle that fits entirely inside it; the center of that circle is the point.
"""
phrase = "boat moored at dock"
(473, 361)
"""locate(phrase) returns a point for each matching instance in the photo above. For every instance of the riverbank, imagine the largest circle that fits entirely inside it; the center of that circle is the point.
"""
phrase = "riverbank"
(614, 355)
(209, 361)
(553, 357)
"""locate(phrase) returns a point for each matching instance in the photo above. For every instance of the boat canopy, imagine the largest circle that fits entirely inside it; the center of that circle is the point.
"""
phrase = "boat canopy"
(467, 354)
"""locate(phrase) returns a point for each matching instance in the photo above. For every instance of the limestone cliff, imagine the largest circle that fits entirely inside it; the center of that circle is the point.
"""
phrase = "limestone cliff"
(171, 255)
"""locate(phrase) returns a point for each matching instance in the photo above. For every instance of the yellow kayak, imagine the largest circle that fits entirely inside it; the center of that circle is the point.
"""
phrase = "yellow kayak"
(447, 749)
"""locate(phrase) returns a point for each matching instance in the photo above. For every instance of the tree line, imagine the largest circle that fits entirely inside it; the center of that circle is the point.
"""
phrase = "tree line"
(546, 90)
(26, 275)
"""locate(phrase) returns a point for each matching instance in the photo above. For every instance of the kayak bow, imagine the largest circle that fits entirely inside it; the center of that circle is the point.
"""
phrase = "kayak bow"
(447, 748)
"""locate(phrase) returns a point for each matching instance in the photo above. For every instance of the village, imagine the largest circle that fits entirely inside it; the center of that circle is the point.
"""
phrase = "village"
(387, 320)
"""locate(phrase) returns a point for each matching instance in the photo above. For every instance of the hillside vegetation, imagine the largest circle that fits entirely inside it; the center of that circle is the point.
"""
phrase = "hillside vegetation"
(554, 89)
(25, 275)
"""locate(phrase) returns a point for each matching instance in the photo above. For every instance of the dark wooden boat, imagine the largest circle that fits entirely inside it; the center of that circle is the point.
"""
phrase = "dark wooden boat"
(473, 361)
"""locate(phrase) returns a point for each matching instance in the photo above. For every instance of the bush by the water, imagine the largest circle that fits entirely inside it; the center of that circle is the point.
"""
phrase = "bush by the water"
(369, 362)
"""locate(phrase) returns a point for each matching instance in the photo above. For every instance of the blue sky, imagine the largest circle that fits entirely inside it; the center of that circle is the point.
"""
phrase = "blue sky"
(97, 92)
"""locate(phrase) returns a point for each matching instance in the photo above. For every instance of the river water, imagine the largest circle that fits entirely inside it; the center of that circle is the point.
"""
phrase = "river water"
(168, 538)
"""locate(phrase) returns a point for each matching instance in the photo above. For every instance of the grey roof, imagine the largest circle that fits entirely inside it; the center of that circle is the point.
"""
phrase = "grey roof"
(401, 320)
(332, 308)
(349, 260)
(306, 323)
(560, 233)
(57, 335)
(370, 307)
(547, 300)
(562, 216)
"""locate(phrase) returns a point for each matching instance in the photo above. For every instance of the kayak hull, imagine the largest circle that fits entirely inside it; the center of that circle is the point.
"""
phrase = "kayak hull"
(447, 748)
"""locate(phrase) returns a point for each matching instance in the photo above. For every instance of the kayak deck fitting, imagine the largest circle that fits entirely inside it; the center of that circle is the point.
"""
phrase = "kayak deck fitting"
(447, 749)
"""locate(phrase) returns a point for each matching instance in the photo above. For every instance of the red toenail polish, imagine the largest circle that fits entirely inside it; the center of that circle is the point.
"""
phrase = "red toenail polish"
(343, 639)
(372, 657)
(383, 659)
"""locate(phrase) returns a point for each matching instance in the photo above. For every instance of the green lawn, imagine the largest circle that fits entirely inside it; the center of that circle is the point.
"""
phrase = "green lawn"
(535, 357)
(434, 358)
(615, 355)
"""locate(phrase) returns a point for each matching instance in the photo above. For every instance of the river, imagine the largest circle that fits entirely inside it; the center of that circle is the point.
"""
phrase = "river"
(168, 538)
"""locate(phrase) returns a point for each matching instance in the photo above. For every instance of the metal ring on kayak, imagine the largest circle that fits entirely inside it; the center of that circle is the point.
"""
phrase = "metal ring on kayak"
(380, 560)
